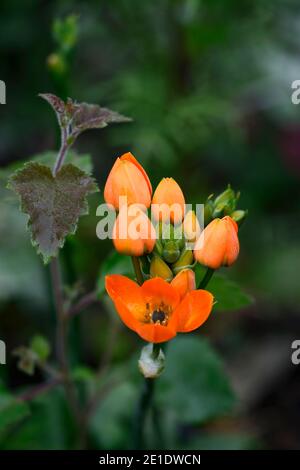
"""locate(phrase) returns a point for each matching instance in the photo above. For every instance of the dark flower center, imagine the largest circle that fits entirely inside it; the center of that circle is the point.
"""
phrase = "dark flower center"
(158, 316)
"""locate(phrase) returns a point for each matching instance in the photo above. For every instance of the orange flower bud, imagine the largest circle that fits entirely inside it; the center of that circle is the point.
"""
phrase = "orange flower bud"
(184, 282)
(127, 178)
(133, 233)
(168, 202)
(191, 227)
(218, 244)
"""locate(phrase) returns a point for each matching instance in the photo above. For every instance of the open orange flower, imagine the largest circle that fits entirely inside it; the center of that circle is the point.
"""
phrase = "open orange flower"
(218, 244)
(127, 178)
(155, 310)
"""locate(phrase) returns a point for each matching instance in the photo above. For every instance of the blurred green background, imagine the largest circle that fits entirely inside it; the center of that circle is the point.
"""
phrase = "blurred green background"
(208, 85)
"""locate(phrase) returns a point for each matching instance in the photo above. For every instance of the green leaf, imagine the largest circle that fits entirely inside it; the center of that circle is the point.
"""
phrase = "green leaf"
(228, 294)
(194, 384)
(112, 422)
(11, 410)
(54, 204)
(65, 32)
(113, 264)
(49, 425)
(222, 441)
(41, 347)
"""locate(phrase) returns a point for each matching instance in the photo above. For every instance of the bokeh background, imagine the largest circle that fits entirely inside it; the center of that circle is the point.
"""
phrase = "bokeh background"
(208, 85)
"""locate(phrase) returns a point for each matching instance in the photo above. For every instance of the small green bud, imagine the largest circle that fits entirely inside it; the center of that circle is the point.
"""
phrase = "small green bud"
(158, 247)
(225, 203)
(239, 216)
(40, 346)
(185, 260)
(56, 63)
(158, 268)
(151, 364)
(167, 232)
(171, 252)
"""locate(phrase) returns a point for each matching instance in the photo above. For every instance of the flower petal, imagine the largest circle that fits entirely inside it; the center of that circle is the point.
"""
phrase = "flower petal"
(127, 297)
(184, 282)
(194, 310)
(155, 333)
(158, 291)
(126, 316)
(130, 158)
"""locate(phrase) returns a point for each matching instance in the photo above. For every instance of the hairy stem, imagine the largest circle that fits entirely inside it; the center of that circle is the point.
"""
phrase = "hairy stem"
(34, 392)
(61, 338)
(82, 304)
(62, 151)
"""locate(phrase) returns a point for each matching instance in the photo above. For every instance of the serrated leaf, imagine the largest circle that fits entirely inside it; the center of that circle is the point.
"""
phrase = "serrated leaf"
(78, 117)
(82, 161)
(92, 116)
(53, 203)
(57, 104)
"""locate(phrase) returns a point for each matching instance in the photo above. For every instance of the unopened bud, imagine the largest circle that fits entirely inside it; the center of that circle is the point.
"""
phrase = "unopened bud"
(171, 252)
(56, 63)
(185, 260)
(151, 363)
(158, 268)
(225, 203)
(239, 216)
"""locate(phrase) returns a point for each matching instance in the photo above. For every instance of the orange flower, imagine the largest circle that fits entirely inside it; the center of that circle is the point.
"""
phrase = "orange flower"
(127, 178)
(218, 244)
(133, 233)
(155, 310)
(168, 202)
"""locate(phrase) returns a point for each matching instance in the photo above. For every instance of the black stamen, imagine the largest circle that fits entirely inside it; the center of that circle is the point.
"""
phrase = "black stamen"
(158, 316)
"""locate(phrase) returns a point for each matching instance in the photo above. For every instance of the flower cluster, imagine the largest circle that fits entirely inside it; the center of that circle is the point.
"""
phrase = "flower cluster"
(165, 299)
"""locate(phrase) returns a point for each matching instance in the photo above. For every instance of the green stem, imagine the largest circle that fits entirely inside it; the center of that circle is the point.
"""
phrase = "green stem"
(206, 279)
(156, 350)
(159, 435)
(137, 270)
(143, 407)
